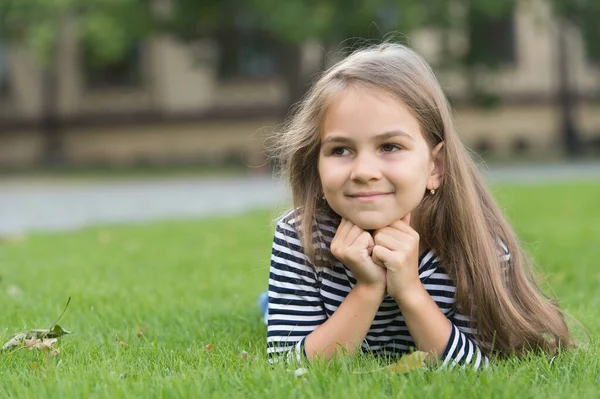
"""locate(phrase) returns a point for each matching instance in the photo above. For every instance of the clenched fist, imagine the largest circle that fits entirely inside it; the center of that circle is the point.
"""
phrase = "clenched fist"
(353, 247)
(397, 250)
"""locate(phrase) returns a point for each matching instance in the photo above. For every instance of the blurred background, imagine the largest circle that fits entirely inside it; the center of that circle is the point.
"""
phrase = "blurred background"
(115, 85)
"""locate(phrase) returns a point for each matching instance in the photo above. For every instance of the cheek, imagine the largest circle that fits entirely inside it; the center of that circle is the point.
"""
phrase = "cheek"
(332, 178)
(410, 185)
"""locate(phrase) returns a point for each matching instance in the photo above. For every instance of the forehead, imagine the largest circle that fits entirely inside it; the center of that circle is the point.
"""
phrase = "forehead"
(361, 112)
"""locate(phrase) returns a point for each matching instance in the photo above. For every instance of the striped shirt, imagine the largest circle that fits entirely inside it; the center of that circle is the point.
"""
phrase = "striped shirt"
(303, 296)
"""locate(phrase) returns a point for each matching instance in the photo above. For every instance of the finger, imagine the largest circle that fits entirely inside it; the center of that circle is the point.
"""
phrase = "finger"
(400, 225)
(392, 232)
(393, 243)
(353, 234)
(364, 240)
(382, 256)
(406, 219)
(343, 229)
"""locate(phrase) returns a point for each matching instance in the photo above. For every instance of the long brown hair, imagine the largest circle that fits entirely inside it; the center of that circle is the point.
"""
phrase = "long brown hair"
(461, 222)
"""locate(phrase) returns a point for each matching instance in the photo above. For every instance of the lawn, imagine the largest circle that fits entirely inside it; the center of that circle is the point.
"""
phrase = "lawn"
(169, 310)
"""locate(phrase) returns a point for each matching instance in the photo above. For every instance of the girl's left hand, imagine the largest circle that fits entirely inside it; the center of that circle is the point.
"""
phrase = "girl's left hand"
(397, 249)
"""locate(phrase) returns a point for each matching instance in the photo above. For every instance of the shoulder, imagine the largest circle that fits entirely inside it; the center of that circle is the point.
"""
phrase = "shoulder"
(432, 271)
(288, 223)
(323, 225)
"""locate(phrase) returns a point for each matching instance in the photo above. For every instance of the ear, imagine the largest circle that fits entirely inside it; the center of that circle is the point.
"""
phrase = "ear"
(436, 167)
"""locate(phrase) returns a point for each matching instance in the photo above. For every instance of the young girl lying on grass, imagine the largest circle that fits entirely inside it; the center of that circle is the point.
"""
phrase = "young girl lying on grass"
(394, 242)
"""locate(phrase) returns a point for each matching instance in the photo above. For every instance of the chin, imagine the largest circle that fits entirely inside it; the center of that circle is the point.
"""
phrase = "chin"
(370, 223)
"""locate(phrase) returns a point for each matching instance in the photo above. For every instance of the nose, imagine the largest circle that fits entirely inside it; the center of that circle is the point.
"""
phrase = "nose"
(365, 168)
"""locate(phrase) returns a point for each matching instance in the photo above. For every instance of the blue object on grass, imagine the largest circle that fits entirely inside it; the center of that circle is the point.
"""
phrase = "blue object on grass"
(263, 305)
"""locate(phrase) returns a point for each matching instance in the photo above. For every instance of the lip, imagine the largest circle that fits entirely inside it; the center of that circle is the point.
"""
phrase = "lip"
(368, 196)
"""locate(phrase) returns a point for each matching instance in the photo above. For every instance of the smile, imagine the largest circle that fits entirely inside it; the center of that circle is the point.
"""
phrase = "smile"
(368, 196)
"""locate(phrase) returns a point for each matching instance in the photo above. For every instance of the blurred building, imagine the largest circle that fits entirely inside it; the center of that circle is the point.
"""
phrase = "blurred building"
(172, 102)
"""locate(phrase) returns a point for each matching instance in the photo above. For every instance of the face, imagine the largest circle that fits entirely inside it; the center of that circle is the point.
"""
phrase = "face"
(374, 163)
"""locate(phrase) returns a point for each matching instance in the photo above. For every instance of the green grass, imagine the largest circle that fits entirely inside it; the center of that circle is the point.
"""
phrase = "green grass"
(192, 284)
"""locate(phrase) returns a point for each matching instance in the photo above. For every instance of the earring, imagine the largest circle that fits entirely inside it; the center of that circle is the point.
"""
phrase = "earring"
(432, 191)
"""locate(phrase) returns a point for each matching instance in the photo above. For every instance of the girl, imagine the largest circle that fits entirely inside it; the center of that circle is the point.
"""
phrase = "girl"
(393, 242)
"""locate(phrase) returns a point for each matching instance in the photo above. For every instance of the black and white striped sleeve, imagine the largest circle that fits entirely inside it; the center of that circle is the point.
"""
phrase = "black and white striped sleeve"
(462, 347)
(295, 308)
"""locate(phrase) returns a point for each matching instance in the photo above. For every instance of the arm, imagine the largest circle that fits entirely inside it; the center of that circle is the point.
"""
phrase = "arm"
(347, 327)
(449, 339)
(295, 308)
(297, 321)
(462, 346)
(397, 249)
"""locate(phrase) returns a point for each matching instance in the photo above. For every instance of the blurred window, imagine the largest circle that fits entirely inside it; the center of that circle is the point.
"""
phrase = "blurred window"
(123, 72)
(4, 89)
(491, 37)
(587, 21)
(247, 55)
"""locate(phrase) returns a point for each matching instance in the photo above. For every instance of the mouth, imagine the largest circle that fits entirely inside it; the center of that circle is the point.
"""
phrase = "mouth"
(368, 196)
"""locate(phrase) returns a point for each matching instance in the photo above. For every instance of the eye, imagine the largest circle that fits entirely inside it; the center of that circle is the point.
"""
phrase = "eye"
(339, 151)
(388, 147)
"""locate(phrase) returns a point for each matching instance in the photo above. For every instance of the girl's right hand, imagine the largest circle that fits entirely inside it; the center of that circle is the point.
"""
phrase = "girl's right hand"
(353, 247)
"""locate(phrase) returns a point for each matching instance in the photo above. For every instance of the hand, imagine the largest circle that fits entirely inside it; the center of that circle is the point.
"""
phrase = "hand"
(353, 247)
(397, 249)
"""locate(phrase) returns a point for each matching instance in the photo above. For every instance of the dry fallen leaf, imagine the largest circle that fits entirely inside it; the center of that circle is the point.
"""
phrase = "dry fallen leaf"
(55, 332)
(14, 341)
(39, 338)
(244, 355)
(209, 347)
(42, 344)
(123, 344)
(141, 331)
(30, 338)
(54, 352)
(407, 363)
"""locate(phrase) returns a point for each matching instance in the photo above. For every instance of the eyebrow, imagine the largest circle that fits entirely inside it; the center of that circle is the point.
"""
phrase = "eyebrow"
(379, 137)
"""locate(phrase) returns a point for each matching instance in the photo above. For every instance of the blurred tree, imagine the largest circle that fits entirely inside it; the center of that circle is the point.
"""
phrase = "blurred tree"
(108, 26)
(289, 24)
(585, 15)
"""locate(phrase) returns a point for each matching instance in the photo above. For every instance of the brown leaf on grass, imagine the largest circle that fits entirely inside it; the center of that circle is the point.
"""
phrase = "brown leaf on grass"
(38, 338)
(209, 347)
(54, 352)
(15, 341)
(31, 337)
(140, 332)
(243, 355)
(41, 344)
(123, 344)
(55, 332)
(408, 363)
